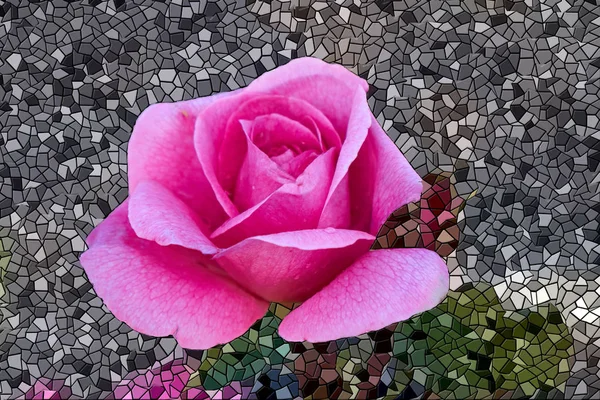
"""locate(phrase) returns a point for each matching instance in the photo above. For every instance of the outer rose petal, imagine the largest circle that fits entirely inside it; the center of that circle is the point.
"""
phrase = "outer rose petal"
(161, 149)
(208, 141)
(163, 291)
(328, 87)
(294, 206)
(157, 214)
(383, 178)
(380, 288)
(336, 212)
(292, 266)
(379, 181)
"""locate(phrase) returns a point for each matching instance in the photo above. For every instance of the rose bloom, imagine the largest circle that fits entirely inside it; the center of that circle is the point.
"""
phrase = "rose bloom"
(270, 193)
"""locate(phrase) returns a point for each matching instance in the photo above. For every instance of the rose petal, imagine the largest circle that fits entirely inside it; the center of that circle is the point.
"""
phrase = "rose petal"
(161, 149)
(315, 128)
(208, 141)
(156, 214)
(283, 158)
(228, 124)
(380, 288)
(378, 182)
(259, 176)
(294, 206)
(296, 165)
(328, 87)
(275, 130)
(336, 212)
(394, 181)
(163, 291)
(292, 266)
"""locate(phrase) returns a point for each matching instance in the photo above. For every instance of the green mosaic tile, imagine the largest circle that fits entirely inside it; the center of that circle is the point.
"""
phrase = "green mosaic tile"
(4, 260)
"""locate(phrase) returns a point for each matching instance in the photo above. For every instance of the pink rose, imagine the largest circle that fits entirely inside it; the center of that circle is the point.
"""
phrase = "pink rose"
(269, 193)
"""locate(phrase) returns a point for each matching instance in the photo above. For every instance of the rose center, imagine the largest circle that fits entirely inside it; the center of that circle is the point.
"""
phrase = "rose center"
(293, 162)
(279, 150)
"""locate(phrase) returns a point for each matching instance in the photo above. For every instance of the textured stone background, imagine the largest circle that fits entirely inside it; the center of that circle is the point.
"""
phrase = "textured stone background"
(504, 94)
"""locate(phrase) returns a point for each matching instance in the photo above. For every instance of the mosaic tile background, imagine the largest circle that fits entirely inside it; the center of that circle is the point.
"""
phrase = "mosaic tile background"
(498, 99)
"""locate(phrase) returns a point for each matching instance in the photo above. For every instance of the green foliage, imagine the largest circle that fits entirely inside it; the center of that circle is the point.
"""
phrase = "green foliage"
(4, 260)
(469, 346)
(243, 357)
